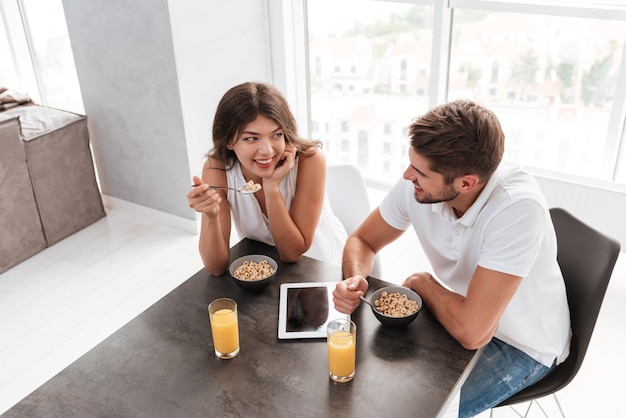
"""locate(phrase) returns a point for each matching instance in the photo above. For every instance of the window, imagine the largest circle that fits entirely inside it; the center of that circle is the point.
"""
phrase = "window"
(554, 73)
(560, 75)
(36, 53)
(387, 42)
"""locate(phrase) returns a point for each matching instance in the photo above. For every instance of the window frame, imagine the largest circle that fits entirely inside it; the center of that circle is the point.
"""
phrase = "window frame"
(296, 66)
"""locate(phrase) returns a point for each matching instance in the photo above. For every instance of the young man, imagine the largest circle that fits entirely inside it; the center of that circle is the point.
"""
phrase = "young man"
(488, 235)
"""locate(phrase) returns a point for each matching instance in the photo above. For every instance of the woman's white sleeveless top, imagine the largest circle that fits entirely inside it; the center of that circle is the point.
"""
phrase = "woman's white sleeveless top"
(250, 222)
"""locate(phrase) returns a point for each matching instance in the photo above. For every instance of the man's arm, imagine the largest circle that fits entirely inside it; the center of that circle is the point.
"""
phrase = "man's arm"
(358, 258)
(471, 320)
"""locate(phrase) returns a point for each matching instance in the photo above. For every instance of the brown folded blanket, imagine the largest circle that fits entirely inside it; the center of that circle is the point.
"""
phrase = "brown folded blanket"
(10, 98)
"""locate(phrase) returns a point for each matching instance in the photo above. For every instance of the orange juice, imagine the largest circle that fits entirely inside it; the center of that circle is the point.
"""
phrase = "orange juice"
(341, 354)
(225, 331)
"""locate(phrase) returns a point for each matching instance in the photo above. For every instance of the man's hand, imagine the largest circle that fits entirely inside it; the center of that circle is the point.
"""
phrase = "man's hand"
(347, 293)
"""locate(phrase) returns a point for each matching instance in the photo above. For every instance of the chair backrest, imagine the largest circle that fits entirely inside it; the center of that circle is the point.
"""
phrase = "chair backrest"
(348, 197)
(587, 258)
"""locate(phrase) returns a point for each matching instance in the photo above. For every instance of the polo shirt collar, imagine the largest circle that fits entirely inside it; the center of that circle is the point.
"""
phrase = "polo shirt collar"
(469, 217)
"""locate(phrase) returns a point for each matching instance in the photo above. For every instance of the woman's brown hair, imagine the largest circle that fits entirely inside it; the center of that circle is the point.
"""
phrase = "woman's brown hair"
(240, 106)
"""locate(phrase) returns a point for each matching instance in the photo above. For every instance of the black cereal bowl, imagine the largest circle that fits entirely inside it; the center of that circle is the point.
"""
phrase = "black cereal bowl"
(253, 286)
(396, 321)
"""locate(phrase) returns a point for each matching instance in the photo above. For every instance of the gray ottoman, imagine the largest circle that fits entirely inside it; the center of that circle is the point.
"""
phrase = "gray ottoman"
(21, 234)
(61, 169)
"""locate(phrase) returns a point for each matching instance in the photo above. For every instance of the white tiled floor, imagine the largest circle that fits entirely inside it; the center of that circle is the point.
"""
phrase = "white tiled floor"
(60, 303)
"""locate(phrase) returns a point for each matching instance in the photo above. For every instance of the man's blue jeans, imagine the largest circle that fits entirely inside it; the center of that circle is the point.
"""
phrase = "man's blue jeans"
(501, 371)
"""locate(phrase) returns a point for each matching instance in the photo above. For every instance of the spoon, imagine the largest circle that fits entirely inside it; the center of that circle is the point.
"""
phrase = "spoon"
(242, 189)
(366, 301)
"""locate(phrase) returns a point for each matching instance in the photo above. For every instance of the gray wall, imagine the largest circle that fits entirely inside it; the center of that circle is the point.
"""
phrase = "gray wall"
(151, 73)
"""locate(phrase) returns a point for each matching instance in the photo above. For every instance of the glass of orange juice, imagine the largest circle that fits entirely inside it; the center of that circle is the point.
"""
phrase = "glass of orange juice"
(224, 327)
(341, 340)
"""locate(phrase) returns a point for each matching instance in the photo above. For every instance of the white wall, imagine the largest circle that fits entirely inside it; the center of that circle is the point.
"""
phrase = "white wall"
(151, 74)
(602, 207)
(217, 44)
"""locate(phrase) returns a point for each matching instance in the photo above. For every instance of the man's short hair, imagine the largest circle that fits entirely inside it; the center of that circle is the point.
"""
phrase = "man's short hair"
(459, 138)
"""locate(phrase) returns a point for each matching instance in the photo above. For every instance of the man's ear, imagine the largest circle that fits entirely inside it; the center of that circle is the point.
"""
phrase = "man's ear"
(468, 182)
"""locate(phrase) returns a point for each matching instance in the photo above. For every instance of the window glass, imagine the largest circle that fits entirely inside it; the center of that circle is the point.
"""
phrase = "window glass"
(8, 70)
(16, 69)
(369, 69)
(550, 80)
(36, 53)
(52, 54)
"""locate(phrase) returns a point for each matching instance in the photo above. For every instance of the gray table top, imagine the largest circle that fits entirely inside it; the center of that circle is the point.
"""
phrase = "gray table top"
(161, 364)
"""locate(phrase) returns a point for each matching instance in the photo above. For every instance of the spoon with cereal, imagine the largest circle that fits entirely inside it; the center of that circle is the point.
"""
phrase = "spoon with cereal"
(248, 188)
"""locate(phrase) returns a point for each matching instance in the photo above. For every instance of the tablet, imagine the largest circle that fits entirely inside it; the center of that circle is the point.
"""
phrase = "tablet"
(305, 309)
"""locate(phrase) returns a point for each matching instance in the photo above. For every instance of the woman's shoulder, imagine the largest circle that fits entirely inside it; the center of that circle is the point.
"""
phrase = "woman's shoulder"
(213, 163)
(311, 168)
(213, 169)
(314, 159)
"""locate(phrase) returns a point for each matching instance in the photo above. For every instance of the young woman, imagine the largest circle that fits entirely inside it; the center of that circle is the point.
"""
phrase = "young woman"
(255, 138)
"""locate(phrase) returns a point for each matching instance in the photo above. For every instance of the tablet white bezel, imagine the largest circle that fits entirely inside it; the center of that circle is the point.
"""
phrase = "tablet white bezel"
(282, 312)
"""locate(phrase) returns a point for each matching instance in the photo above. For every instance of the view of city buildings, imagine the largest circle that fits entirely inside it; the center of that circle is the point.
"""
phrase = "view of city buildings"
(549, 79)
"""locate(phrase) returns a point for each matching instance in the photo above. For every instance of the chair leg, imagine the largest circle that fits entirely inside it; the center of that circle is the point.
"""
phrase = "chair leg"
(514, 410)
(535, 401)
(527, 410)
(559, 405)
(544, 412)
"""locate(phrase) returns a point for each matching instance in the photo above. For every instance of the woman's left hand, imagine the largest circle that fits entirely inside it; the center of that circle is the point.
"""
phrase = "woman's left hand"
(286, 163)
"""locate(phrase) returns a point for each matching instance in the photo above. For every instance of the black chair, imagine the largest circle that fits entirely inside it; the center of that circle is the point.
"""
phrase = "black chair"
(587, 258)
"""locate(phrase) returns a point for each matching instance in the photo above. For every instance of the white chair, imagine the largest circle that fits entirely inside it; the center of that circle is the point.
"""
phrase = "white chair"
(348, 198)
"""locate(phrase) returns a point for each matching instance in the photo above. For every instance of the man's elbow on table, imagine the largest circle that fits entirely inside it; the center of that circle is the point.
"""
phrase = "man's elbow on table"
(473, 344)
(290, 257)
(472, 339)
(216, 269)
